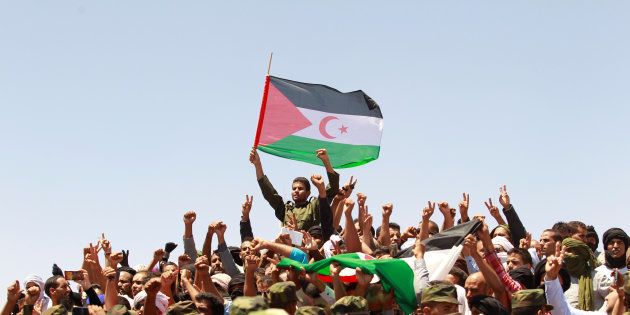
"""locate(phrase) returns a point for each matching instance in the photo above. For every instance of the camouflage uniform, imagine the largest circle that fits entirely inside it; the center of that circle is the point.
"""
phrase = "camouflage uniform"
(531, 297)
(350, 304)
(310, 310)
(307, 215)
(439, 292)
(182, 308)
(281, 294)
(244, 305)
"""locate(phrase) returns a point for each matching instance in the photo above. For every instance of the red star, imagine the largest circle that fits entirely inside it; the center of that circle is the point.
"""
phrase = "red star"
(343, 129)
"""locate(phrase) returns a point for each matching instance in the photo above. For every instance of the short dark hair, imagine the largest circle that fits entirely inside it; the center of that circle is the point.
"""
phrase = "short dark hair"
(577, 225)
(304, 181)
(525, 255)
(392, 225)
(564, 229)
(127, 270)
(460, 274)
(214, 302)
(556, 236)
(380, 251)
(51, 283)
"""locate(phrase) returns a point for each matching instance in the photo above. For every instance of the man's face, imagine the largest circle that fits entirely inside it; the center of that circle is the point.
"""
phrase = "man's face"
(547, 243)
(591, 241)
(215, 263)
(394, 236)
(136, 283)
(616, 247)
(124, 283)
(62, 291)
(171, 268)
(514, 261)
(502, 232)
(580, 235)
(299, 192)
(475, 285)
(440, 308)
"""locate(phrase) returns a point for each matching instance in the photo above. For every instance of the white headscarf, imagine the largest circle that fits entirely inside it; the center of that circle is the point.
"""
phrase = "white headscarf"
(40, 283)
(161, 300)
(503, 242)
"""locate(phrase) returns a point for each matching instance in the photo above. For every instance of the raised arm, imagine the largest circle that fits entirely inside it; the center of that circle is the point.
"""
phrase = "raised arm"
(427, 212)
(251, 264)
(351, 236)
(494, 212)
(152, 287)
(269, 193)
(463, 207)
(202, 272)
(111, 288)
(207, 243)
(158, 254)
(489, 274)
(13, 295)
(449, 221)
(383, 237)
(333, 177)
(517, 229)
(189, 240)
(325, 213)
(246, 226)
(224, 253)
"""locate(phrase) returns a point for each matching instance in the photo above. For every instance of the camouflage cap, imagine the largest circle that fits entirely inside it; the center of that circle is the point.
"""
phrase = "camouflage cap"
(182, 308)
(440, 292)
(120, 309)
(349, 304)
(310, 310)
(270, 311)
(626, 285)
(245, 304)
(531, 297)
(282, 293)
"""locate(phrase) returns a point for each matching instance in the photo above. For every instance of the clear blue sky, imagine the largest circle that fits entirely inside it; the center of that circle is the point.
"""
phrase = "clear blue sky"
(117, 117)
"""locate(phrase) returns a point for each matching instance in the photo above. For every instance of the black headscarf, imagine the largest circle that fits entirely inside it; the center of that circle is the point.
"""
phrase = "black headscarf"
(524, 276)
(615, 233)
(487, 305)
(539, 274)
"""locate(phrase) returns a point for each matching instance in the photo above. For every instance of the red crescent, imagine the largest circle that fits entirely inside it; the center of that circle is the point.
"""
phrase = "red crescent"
(322, 126)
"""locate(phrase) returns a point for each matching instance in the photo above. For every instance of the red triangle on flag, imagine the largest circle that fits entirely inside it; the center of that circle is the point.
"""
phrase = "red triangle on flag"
(281, 118)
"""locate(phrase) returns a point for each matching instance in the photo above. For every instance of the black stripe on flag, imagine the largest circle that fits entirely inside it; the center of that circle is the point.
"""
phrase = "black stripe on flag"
(446, 239)
(326, 99)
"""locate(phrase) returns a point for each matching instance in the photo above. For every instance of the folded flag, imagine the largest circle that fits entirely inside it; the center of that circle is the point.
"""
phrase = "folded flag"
(395, 274)
(298, 118)
(443, 249)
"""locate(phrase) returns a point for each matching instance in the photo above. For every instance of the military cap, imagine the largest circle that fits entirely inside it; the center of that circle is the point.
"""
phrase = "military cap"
(57, 310)
(310, 310)
(282, 293)
(182, 308)
(245, 304)
(120, 309)
(531, 297)
(270, 311)
(440, 292)
(349, 304)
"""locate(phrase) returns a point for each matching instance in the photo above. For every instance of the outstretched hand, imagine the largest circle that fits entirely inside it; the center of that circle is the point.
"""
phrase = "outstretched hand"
(494, 211)
(504, 198)
(427, 212)
(246, 207)
(253, 156)
(554, 263)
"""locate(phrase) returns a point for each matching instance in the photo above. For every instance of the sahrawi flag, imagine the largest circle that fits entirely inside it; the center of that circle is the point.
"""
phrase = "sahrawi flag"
(298, 118)
(395, 274)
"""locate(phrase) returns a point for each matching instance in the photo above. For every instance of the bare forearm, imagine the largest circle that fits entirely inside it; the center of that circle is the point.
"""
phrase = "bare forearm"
(208, 285)
(352, 237)
(449, 222)
(149, 306)
(338, 286)
(188, 231)
(250, 283)
(111, 294)
(383, 236)
(259, 171)
(8, 307)
(424, 230)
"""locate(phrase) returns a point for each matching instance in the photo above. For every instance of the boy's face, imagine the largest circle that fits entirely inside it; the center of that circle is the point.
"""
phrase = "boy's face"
(299, 192)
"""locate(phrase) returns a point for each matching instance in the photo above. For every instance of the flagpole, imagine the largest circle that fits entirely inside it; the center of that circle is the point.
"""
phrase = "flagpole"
(263, 104)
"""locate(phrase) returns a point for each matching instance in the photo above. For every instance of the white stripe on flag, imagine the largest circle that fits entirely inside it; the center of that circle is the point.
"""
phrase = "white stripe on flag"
(361, 130)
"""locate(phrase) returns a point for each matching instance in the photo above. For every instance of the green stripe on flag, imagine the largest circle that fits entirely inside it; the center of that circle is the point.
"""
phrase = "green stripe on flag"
(303, 149)
(395, 274)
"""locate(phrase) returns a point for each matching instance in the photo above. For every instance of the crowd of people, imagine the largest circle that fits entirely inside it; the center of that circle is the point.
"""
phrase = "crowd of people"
(500, 267)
